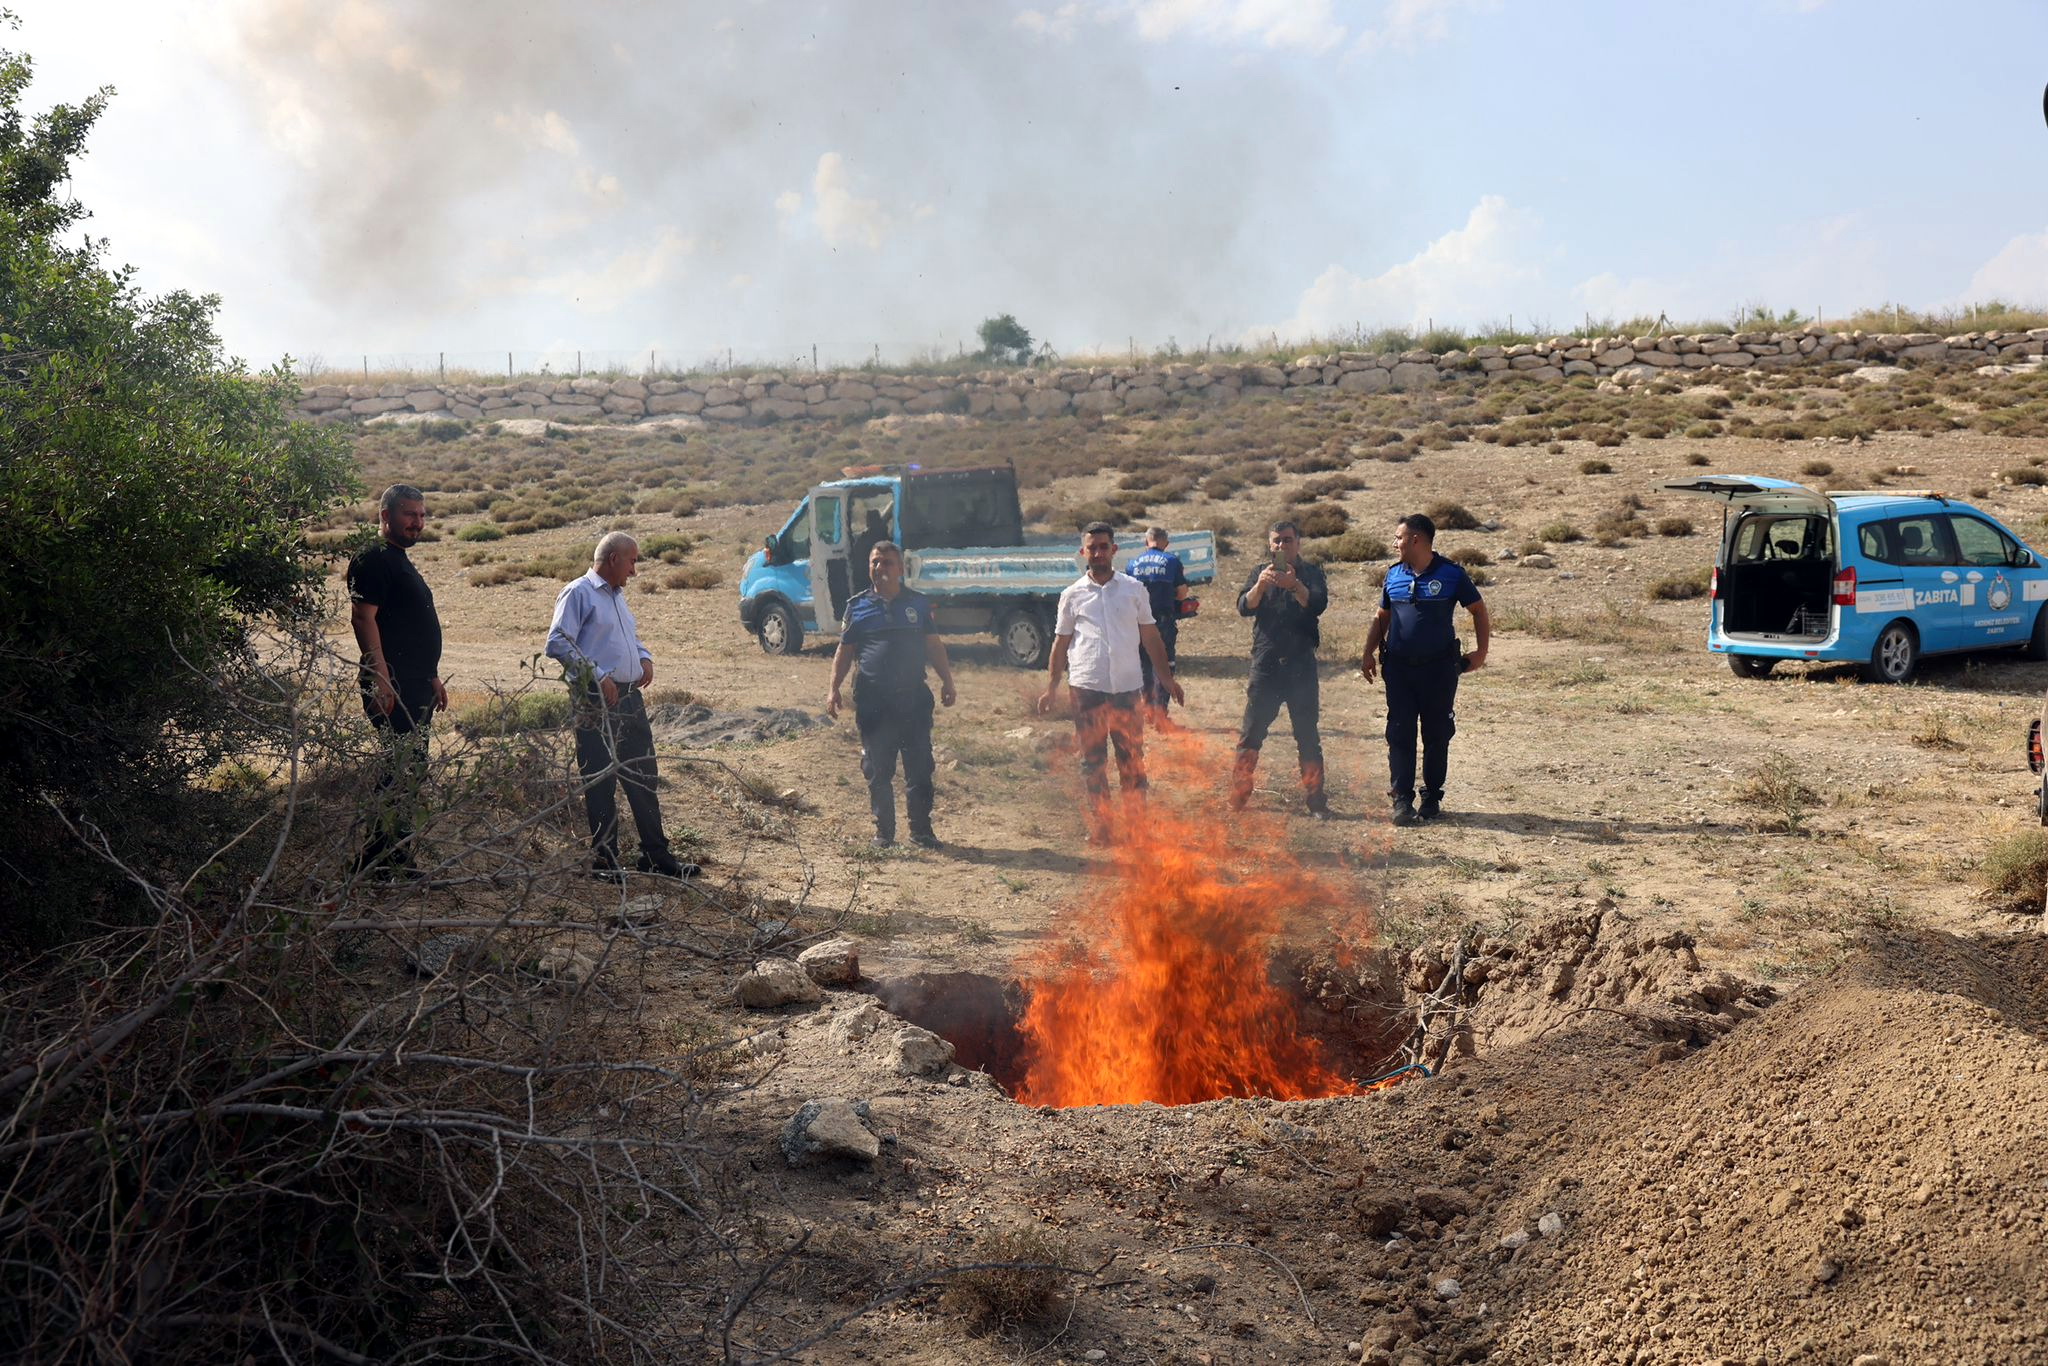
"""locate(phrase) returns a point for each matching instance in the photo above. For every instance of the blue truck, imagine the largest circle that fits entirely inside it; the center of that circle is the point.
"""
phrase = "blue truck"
(962, 533)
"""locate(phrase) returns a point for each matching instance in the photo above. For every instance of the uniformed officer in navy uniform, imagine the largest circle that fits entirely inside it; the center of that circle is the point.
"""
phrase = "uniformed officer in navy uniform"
(891, 633)
(1413, 641)
(1166, 583)
(1285, 599)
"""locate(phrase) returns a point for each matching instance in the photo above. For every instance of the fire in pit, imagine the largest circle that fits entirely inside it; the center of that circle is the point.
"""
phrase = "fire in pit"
(1163, 985)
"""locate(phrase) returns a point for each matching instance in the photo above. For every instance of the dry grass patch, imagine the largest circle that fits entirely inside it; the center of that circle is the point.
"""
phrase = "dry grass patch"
(1779, 794)
(2014, 873)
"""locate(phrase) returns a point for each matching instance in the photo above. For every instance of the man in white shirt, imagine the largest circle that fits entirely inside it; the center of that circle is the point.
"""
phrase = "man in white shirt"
(596, 641)
(1105, 619)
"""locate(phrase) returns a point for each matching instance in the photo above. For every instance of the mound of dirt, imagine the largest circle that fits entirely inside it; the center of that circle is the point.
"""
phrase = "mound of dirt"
(695, 726)
(1854, 1174)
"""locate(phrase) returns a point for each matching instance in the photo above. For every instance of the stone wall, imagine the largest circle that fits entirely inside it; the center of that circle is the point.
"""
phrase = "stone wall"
(772, 396)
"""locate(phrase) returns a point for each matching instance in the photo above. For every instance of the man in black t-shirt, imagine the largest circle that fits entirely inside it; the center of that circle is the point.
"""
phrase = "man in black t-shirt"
(1285, 598)
(392, 612)
(890, 632)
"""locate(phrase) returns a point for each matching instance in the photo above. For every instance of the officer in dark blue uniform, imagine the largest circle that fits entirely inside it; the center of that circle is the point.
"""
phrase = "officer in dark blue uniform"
(890, 631)
(1414, 642)
(1166, 583)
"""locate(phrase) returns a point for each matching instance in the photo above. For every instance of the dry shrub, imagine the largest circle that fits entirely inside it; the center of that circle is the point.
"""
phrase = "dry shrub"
(2025, 474)
(1818, 468)
(1779, 792)
(1352, 547)
(1680, 588)
(1561, 533)
(1017, 1285)
(693, 576)
(1595, 467)
(1322, 519)
(1471, 556)
(1451, 517)
(2014, 874)
(1674, 526)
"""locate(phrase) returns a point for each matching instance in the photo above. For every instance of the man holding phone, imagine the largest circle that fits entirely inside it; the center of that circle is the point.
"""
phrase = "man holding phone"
(1422, 662)
(1285, 599)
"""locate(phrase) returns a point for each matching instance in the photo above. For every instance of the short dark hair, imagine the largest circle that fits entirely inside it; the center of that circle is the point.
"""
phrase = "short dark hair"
(890, 546)
(1093, 527)
(1418, 524)
(1284, 525)
(400, 493)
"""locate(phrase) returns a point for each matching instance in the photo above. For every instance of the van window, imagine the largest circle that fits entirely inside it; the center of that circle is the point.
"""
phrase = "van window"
(1762, 538)
(1978, 542)
(828, 520)
(796, 537)
(1918, 540)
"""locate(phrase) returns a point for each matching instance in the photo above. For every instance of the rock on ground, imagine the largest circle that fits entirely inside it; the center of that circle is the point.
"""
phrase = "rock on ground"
(834, 963)
(776, 982)
(918, 1052)
(829, 1127)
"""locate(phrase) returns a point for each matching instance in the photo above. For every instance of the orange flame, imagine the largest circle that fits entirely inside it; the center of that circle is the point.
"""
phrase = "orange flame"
(1164, 994)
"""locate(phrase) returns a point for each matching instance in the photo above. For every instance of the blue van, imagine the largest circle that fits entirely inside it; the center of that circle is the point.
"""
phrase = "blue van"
(1878, 577)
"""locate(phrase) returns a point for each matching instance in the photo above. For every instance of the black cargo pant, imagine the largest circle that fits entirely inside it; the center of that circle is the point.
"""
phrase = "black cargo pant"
(1275, 683)
(1154, 691)
(1424, 692)
(403, 737)
(896, 723)
(614, 746)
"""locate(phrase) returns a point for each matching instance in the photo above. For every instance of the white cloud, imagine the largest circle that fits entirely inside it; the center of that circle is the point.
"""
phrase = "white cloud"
(788, 205)
(2018, 274)
(843, 216)
(1473, 271)
(605, 287)
(1309, 24)
(1408, 24)
(1060, 24)
(545, 131)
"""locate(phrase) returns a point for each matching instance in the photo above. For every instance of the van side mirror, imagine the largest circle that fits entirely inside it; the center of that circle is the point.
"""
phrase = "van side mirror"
(2025, 559)
(768, 550)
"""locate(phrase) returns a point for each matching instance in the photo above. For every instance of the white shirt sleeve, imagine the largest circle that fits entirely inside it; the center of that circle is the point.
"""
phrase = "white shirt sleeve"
(1063, 624)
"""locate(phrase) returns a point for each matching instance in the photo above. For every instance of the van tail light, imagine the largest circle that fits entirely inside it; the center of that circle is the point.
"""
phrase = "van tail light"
(1714, 583)
(1845, 587)
(2034, 747)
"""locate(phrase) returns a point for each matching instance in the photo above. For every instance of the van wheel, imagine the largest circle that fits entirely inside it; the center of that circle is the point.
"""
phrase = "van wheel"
(781, 633)
(1895, 656)
(2037, 646)
(1025, 638)
(1751, 666)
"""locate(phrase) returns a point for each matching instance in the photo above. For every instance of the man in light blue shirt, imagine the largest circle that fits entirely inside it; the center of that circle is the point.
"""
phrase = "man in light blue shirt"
(596, 641)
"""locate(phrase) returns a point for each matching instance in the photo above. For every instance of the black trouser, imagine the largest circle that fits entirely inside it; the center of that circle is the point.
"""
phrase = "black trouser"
(1152, 690)
(1276, 682)
(896, 723)
(403, 736)
(615, 745)
(1102, 719)
(1422, 691)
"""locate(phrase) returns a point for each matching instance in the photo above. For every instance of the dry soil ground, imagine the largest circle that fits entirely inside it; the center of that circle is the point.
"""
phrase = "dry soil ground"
(1858, 1169)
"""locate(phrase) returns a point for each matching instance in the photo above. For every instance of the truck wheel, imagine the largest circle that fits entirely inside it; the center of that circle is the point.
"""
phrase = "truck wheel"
(781, 633)
(1751, 666)
(1025, 638)
(1895, 656)
(2037, 645)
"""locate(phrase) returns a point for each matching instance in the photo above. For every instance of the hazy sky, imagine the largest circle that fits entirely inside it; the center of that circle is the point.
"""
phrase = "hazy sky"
(406, 177)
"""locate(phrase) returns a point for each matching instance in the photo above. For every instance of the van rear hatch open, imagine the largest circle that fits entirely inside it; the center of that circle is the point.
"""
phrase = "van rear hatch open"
(1774, 576)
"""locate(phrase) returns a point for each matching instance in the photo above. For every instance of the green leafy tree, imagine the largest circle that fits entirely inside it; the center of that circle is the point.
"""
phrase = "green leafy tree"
(1004, 340)
(154, 503)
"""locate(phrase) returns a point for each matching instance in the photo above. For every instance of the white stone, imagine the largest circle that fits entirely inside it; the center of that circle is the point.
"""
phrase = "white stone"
(1876, 374)
(1371, 381)
(851, 1026)
(776, 982)
(1538, 561)
(917, 1052)
(1551, 1224)
(1414, 375)
(829, 1127)
(834, 963)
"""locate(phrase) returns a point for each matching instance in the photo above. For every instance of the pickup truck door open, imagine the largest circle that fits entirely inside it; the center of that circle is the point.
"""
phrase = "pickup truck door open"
(830, 586)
